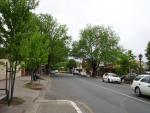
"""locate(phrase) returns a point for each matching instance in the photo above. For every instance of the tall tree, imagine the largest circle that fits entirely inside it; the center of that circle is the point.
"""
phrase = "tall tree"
(97, 44)
(148, 54)
(14, 25)
(34, 52)
(58, 40)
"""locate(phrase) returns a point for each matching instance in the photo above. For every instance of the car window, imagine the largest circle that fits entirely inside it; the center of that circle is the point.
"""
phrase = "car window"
(138, 78)
(145, 79)
(149, 81)
(114, 75)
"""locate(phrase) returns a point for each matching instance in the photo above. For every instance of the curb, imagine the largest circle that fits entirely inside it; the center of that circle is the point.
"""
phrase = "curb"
(41, 95)
(43, 91)
(78, 110)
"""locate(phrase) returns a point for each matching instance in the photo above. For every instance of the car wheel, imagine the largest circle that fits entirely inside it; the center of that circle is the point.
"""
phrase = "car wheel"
(108, 81)
(137, 91)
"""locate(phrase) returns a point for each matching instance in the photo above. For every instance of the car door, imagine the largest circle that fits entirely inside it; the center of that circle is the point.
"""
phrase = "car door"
(145, 85)
(148, 89)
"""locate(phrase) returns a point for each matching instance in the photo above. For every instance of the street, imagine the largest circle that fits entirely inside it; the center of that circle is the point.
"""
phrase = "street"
(98, 96)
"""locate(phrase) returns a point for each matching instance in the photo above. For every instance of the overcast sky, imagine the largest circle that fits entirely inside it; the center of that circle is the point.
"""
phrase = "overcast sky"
(129, 18)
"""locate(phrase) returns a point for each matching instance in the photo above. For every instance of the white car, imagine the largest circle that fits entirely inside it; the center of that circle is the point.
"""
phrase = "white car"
(111, 77)
(76, 72)
(141, 85)
(56, 71)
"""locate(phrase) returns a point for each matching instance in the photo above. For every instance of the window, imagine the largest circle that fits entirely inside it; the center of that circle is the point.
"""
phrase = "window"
(114, 75)
(145, 79)
(149, 81)
(138, 78)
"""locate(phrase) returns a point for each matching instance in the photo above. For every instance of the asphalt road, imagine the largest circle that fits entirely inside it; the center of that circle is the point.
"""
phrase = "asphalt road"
(100, 97)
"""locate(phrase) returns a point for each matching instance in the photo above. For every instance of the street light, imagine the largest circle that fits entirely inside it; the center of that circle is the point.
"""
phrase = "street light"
(140, 59)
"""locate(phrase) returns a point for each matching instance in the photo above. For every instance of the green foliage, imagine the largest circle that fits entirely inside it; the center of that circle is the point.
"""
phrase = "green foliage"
(122, 66)
(14, 24)
(148, 54)
(57, 39)
(34, 51)
(2, 52)
(71, 64)
(97, 44)
(125, 63)
(60, 66)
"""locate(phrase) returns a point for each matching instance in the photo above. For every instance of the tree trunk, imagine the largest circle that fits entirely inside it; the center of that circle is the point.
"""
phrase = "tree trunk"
(93, 69)
(48, 66)
(32, 76)
(14, 70)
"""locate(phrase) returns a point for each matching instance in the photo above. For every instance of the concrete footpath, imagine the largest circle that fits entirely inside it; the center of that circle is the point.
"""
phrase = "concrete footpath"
(35, 101)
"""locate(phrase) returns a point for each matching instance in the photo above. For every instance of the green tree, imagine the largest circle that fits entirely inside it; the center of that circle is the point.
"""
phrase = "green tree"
(14, 26)
(97, 44)
(60, 66)
(2, 52)
(148, 54)
(34, 52)
(58, 40)
(126, 63)
(71, 64)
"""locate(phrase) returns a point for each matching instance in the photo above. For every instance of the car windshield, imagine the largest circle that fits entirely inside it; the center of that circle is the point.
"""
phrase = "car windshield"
(138, 78)
(113, 75)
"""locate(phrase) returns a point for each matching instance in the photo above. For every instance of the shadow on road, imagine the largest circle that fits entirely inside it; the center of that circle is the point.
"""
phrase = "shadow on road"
(62, 75)
(145, 97)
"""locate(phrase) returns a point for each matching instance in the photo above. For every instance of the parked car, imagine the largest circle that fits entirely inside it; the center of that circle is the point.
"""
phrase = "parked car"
(76, 72)
(111, 77)
(141, 85)
(147, 72)
(54, 72)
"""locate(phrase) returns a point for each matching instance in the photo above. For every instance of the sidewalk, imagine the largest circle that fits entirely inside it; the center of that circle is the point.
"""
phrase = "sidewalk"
(24, 93)
(34, 100)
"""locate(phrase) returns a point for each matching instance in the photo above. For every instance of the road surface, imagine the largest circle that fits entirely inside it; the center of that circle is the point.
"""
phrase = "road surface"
(98, 96)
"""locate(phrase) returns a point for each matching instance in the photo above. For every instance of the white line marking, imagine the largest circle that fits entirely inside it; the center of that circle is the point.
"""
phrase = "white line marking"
(75, 107)
(78, 110)
(116, 92)
(85, 106)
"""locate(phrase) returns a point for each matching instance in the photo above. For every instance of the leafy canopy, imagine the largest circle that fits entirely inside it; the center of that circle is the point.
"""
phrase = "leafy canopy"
(34, 51)
(14, 24)
(57, 38)
(97, 44)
